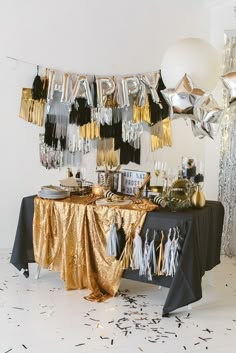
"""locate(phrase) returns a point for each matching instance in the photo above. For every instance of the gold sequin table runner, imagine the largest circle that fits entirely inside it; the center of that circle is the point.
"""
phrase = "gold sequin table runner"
(70, 236)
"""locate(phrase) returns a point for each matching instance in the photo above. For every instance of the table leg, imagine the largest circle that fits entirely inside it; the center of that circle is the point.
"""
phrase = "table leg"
(38, 272)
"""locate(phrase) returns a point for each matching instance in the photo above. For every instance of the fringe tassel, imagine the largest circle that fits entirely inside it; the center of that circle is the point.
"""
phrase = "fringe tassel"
(166, 139)
(161, 254)
(106, 154)
(171, 254)
(126, 255)
(137, 256)
(141, 113)
(166, 263)
(112, 245)
(147, 258)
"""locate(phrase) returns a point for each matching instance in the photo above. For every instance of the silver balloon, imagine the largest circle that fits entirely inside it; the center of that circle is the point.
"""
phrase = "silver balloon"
(183, 98)
(66, 88)
(51, 85)
(142, 95)
(208, 114)
(130, 85)
(82, 89)
(151, 81)
(118, 94)
(201, 130)
(229, 81)
(105, 87)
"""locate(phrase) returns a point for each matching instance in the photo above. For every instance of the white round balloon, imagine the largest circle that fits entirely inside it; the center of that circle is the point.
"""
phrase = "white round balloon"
(194, 56)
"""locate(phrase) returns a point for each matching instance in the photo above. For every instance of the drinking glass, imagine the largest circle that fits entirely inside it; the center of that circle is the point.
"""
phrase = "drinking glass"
(171, 174)
(157, 168)
(83, 174)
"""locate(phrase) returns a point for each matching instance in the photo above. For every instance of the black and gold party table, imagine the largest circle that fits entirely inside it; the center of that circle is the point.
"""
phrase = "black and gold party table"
(70, 236)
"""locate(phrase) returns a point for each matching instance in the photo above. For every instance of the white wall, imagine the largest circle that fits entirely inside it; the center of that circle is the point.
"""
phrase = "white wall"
(101, 37)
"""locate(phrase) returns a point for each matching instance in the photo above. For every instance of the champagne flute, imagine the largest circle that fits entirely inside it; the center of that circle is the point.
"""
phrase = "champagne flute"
(171, 174)
(157, 168)
(83, 174)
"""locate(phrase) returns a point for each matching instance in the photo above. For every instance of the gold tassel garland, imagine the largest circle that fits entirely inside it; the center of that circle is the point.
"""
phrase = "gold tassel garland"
(31, 110)
(141, 113)
(166, 140)
(106, 155)
(90, 131)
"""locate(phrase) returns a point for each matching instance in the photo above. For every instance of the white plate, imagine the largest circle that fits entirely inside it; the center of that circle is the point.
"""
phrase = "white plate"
(105, 202)
(54, 196)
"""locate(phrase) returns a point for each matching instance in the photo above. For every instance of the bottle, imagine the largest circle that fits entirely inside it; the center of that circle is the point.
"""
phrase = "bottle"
(164, 183)
(77, 175)
(180, 173)
(69, 173)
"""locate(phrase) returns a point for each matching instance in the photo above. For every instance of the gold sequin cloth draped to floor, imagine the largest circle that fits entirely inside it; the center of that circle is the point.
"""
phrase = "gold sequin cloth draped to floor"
(70, 236)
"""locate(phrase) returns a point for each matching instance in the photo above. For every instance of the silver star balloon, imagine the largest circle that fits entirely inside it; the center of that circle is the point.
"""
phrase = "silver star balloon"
(229, 81)
(208, 114)
(183, 98)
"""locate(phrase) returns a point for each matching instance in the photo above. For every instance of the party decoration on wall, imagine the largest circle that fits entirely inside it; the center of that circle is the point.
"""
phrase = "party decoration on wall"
(82, 89)
(163, 137)
(50, 158)
(141, 113)
(195, 56)
(227, 170)
(183, 98)
(31, 110)
(130, 85)
(106, 154)
(105, 87)
(208, 114)
(51, 84)
(81, 109)
(151, 81)
(66, 88)
(37, 88)
(229, 81)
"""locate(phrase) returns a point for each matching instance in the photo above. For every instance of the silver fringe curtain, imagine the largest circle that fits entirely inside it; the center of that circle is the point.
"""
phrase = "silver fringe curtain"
(227, 165)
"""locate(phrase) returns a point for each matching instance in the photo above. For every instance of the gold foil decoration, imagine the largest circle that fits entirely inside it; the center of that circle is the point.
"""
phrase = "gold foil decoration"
(106, 155)
(90, 131)
(141, 113)
(31, 110)
(70, 236)
(166, 140)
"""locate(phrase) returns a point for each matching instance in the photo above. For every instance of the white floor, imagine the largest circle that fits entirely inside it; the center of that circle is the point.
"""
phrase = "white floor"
(40, 316)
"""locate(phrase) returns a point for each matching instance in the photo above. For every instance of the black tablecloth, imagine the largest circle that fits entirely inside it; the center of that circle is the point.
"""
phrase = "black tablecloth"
(202, 229)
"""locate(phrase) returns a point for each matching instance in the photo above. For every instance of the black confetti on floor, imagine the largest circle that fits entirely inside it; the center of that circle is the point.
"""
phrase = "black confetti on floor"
(205, 339)
(207, 330)
(9, 350)
(24, 346)
(79, 344)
